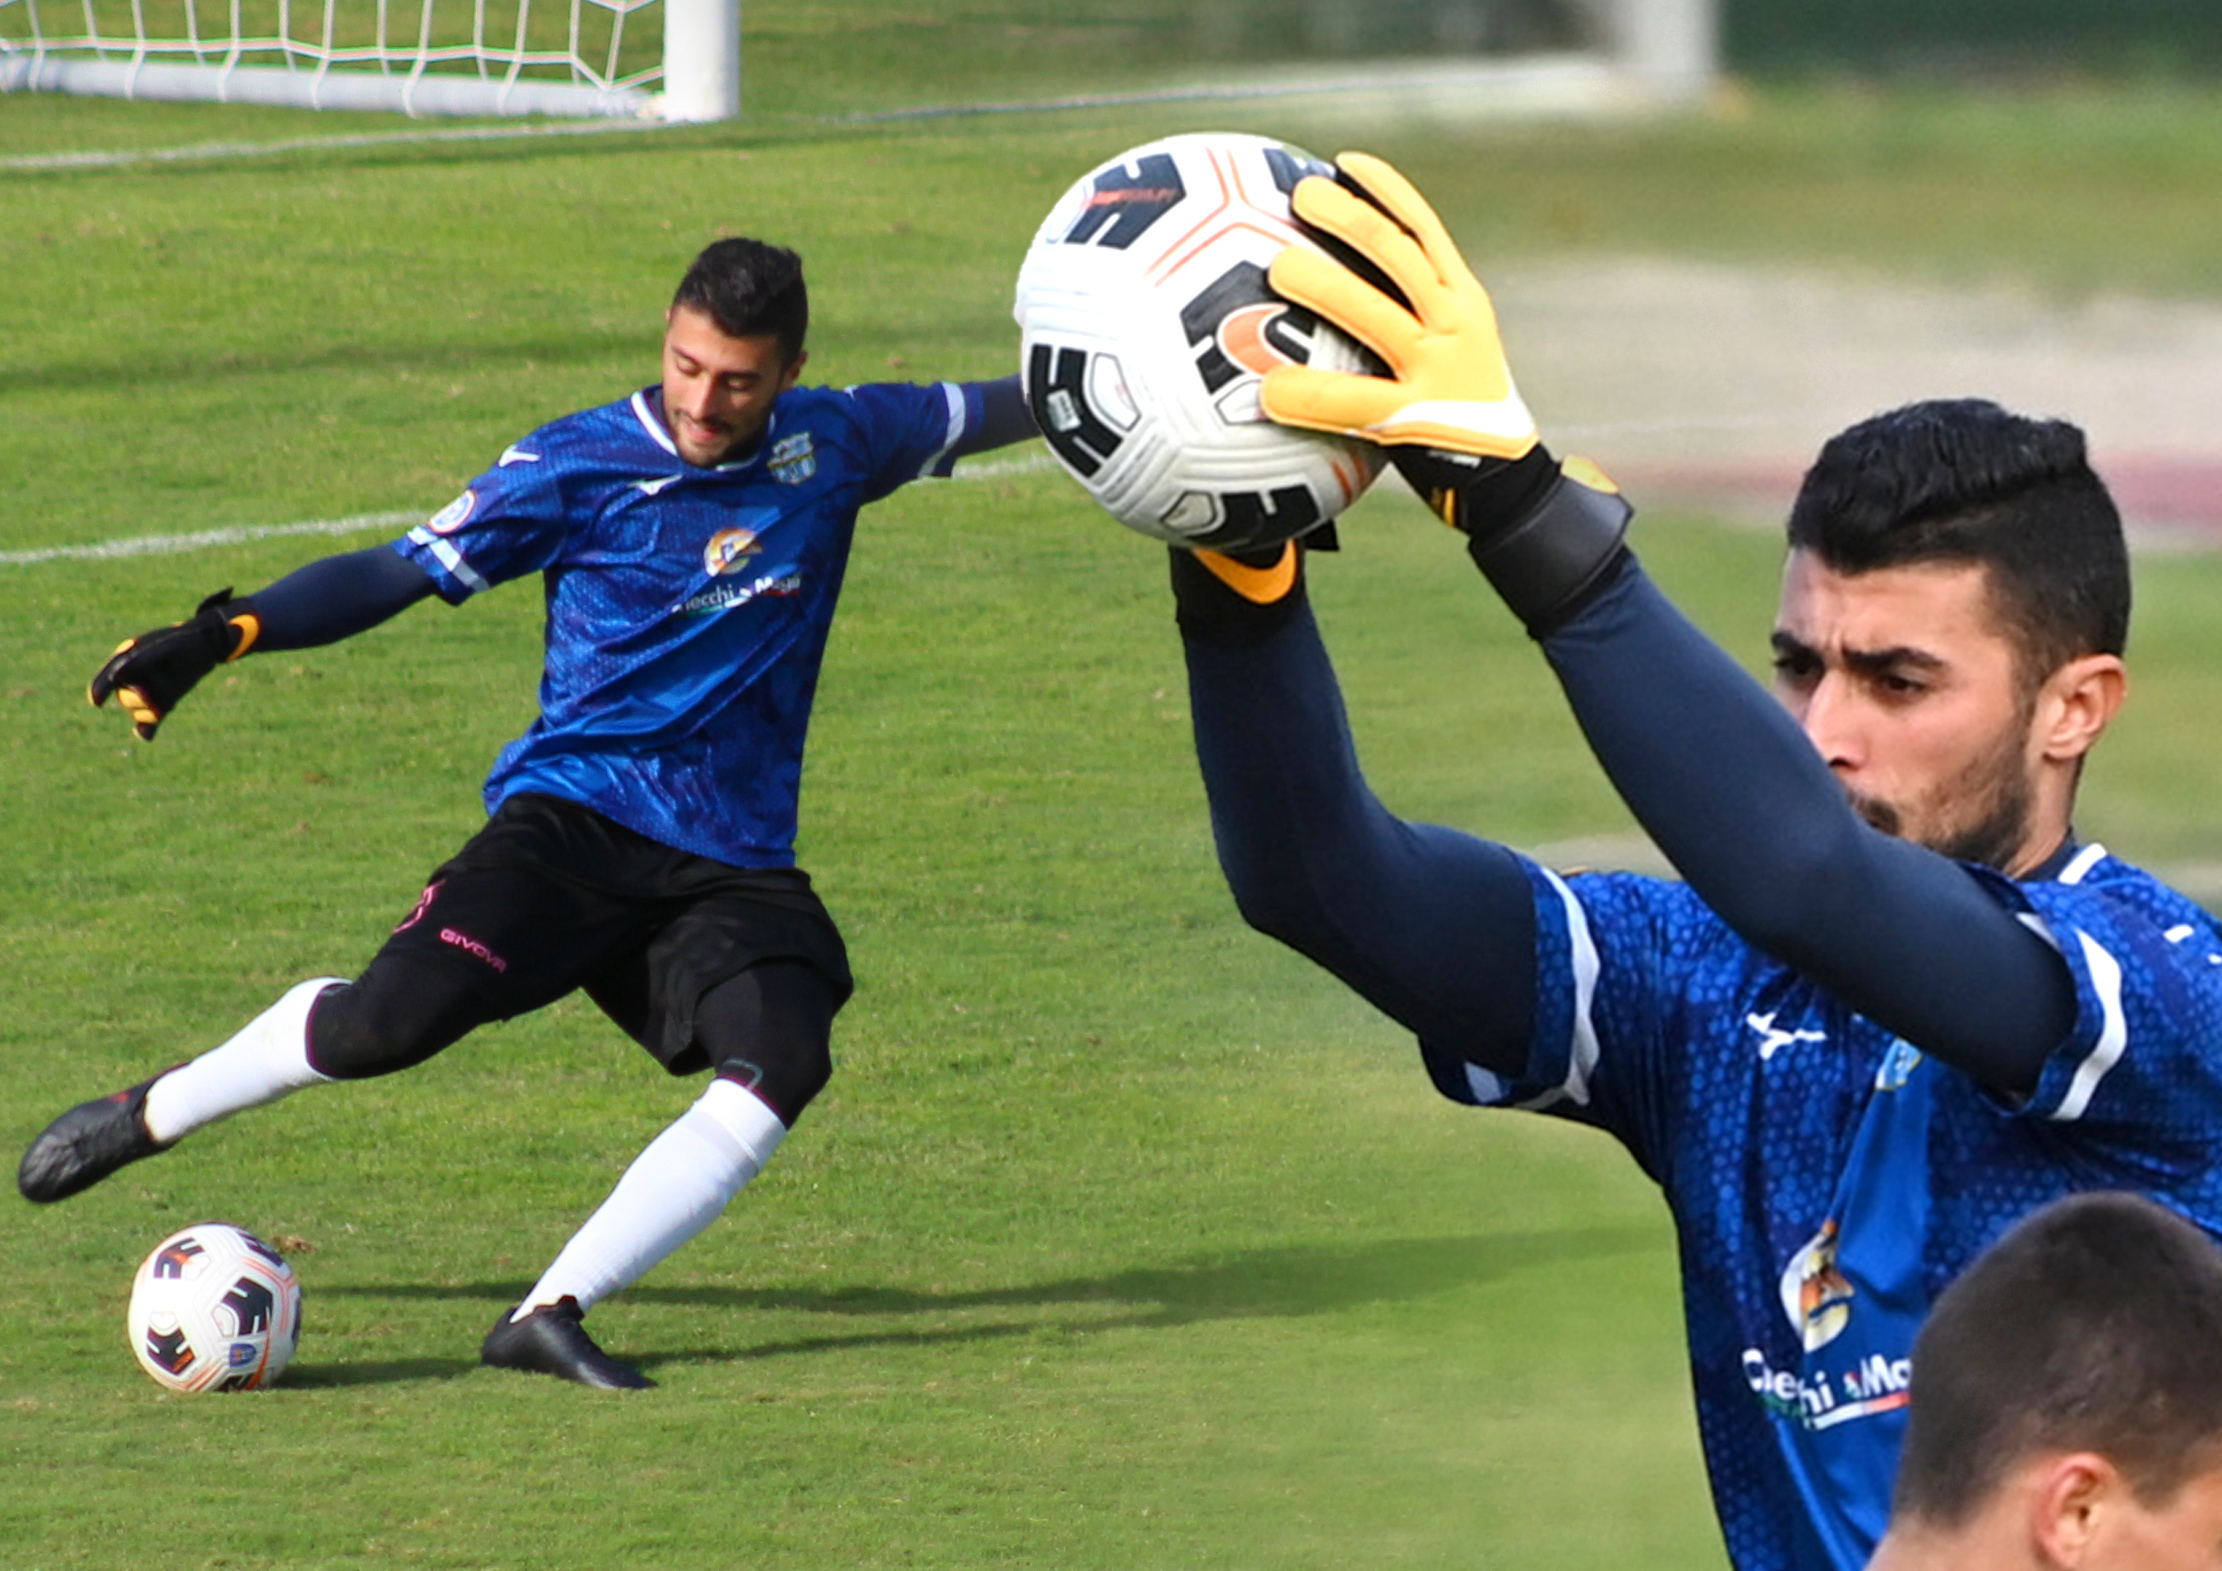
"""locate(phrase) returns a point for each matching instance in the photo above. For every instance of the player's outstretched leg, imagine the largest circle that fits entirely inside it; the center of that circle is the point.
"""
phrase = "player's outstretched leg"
(674, 1189)
(265, 1061)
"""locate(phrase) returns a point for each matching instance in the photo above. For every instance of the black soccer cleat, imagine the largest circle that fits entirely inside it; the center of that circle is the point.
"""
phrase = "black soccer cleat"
(86, 1144)
(552, 1341)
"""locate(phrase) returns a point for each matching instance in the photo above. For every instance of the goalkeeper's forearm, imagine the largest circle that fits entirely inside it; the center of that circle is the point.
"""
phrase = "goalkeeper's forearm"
(1735, 795)
(337, 598)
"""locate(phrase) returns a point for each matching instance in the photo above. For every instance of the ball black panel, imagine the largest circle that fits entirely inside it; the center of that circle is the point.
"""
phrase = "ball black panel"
(1123, 203)
(252, 1304)
(1057, 391)
(170, 1350)
(1286, 335)
(171, 1262)
(1253, 518)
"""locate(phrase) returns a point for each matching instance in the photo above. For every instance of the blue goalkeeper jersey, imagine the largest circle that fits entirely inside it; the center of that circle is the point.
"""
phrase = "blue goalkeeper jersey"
(1827, 1179)
(687, 608)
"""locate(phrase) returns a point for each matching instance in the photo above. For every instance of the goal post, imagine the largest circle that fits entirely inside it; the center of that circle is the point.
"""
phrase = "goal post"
(681, 61)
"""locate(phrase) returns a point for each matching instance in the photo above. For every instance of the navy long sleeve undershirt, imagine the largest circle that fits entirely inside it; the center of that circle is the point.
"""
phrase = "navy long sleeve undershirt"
(1004, 417)
(337, 597)
(1436, 928)
(1730, 788)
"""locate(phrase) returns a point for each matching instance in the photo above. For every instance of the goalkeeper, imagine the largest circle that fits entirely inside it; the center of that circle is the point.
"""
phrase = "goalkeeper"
(1895, 1003)
(691, 538)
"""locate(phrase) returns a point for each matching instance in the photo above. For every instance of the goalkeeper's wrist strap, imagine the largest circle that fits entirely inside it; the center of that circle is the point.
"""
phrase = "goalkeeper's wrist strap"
(1547, 563)
(232, 629)
(1236, 600)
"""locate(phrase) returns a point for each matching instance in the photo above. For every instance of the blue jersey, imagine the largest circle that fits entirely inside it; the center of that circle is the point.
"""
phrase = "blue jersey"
(687, 608)
(1827, 1179)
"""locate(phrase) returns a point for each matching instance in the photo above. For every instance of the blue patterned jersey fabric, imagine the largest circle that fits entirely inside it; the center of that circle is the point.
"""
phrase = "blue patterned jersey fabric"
(687, 608)
(1827, 1179)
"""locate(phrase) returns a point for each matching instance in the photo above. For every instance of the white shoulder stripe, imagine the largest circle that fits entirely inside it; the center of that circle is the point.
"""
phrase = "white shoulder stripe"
(1581, 1049)
(2106, 980)
(953, 396)
(444, 552)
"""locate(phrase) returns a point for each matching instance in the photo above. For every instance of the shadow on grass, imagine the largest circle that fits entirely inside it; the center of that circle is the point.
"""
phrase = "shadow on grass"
(1286, 1281)
(390, 1371)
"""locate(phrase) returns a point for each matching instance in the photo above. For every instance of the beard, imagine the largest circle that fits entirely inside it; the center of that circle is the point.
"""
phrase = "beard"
(1982, 816)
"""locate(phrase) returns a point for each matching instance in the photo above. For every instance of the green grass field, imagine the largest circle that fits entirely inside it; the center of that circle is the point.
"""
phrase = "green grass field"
(1121, 1239)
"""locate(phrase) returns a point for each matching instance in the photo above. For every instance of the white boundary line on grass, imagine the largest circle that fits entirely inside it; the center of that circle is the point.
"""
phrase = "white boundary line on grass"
(200, 539)
(158, 545)
(298, 144)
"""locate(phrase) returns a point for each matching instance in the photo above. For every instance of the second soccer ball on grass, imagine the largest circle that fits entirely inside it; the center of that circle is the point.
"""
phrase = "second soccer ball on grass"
(214, 1308)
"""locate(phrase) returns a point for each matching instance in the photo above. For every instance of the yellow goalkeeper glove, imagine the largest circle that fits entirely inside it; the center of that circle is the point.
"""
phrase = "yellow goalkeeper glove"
(1448, 411)
(1449, 387)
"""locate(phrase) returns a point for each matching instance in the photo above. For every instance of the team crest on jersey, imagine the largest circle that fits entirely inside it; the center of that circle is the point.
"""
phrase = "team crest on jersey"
(453, 516)
(794, 459)
(1815, 1294)
(728, 549)
(1898, 1066)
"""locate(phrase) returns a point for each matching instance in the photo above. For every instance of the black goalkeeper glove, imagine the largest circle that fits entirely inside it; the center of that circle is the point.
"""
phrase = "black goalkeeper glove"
(1545, 534)
(152, 673)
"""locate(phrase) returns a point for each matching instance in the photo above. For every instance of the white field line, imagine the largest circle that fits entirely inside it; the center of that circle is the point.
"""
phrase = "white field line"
(207, 150)
(201, 539)
(157, 545)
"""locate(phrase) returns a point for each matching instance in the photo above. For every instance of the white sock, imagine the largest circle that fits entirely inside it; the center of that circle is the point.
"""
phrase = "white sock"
(673, 1190)
(267, 1060)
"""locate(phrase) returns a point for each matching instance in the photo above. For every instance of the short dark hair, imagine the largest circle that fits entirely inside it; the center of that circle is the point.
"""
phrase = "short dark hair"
(2094, 1325)
(749, 289)
(1962, 480)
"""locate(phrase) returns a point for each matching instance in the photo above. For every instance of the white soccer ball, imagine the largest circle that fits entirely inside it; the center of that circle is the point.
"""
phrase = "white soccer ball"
(214, 1308)
(1146, 329)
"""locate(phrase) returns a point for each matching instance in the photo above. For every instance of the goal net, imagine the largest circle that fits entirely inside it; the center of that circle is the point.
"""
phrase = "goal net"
(659, 59)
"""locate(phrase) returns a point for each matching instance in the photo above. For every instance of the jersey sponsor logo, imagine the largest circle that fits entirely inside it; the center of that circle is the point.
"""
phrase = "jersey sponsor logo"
(728, 549)
(1872, 1385)
(513, 454)
(453, 516)
(1772, 1039)
(726, 596)
(1815, 1294)
(651, 487)
(794, 459)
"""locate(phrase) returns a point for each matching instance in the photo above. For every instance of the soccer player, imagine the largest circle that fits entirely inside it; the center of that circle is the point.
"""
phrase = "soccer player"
(691, 538)
(2067, 1402)
(1894, 1003)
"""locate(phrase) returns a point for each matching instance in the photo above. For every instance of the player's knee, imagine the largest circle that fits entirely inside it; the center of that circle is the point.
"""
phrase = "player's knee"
(769, 1029)
(786, 1082)
(373, 1027)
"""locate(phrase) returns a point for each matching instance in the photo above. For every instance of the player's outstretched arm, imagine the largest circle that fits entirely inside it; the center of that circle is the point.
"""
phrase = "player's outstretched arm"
(1714, 769)
(321, 603)
(1004, 416)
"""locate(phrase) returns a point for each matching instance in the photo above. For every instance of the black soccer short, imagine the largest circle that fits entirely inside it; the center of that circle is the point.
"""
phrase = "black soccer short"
(552, 897)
